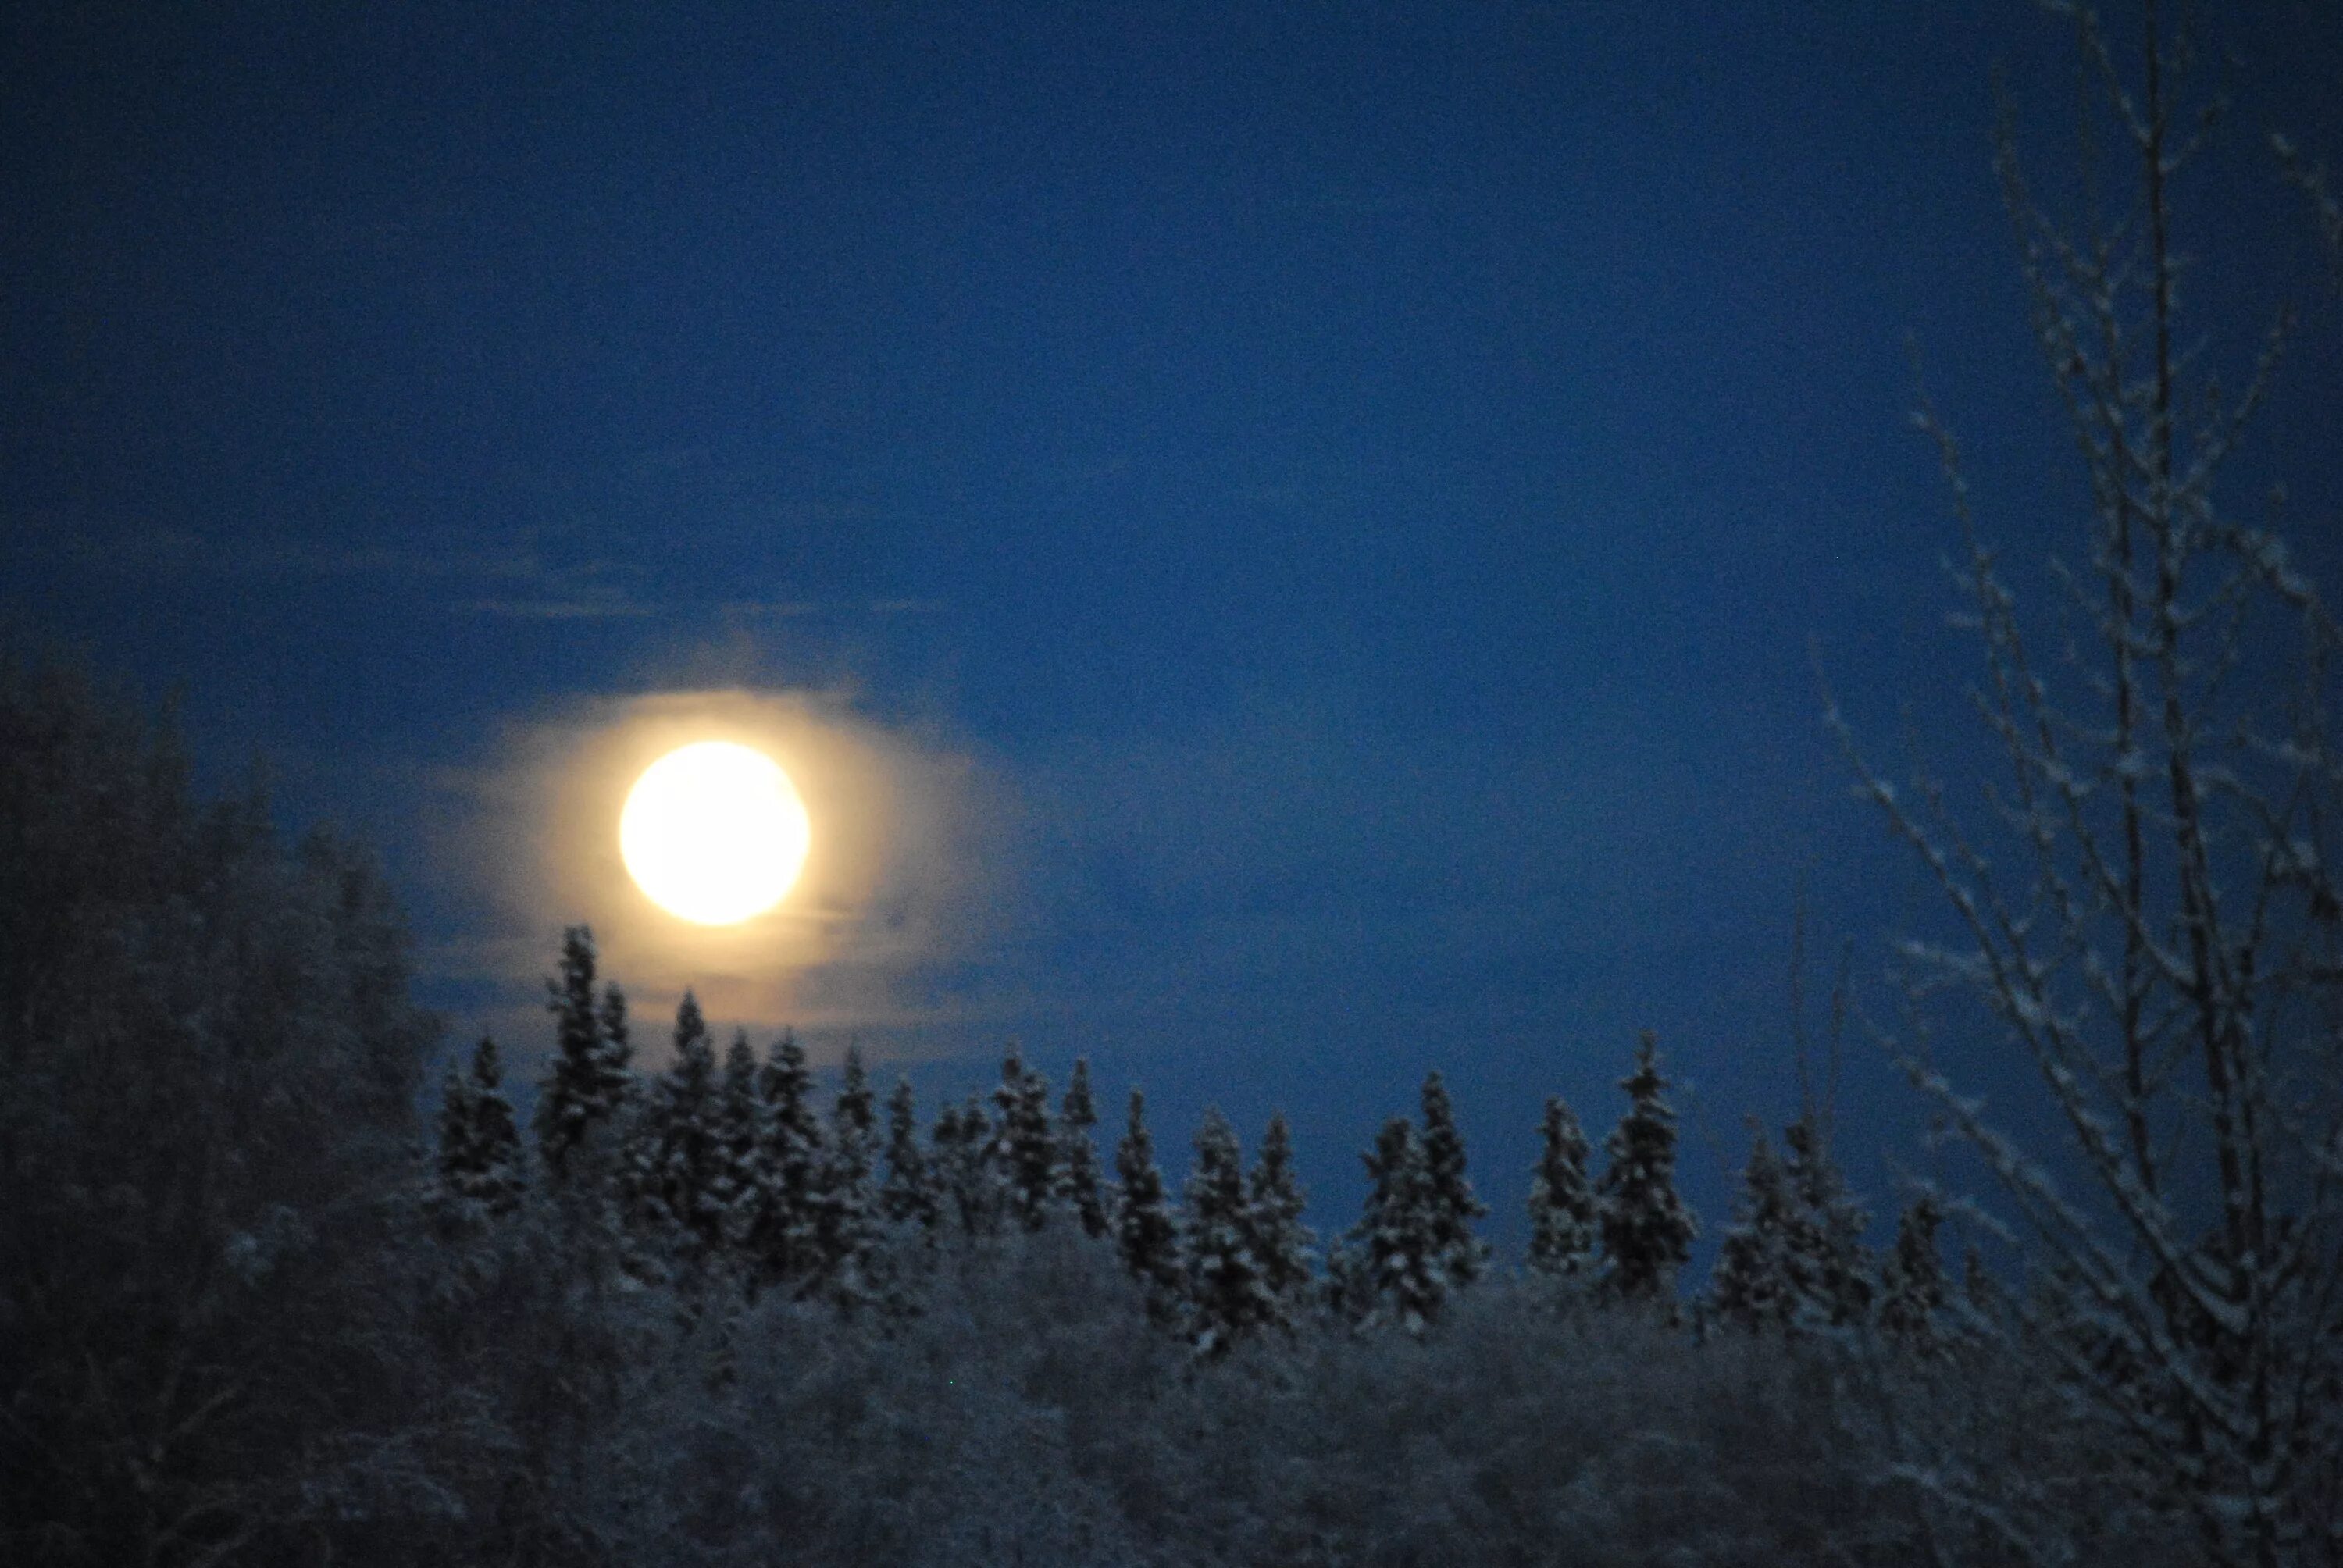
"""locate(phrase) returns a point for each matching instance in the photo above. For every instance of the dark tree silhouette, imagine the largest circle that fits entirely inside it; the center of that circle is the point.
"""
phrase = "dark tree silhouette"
(1647, 1232)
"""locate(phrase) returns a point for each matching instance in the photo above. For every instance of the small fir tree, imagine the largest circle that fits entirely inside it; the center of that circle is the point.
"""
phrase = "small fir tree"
(459, 1162)
(784, 1240)
(1145, 1235)
(847, 1211)
(1646, 1230)
(495, 1138)
(1284, 1246)
(1562, 1232)
(590, 1080)
(681, 1142)
(908, 1194)
(1079, 1186)
(1227, 1292)
(967, 1161)
(1830, 1268)
(1448, 1191)
(1404, 1262)
(743, 1182)
(1912, 1281)
(1024, 1152)
(1750, 1286)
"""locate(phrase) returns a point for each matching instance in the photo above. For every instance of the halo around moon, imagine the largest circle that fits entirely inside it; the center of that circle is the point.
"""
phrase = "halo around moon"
(714, 833)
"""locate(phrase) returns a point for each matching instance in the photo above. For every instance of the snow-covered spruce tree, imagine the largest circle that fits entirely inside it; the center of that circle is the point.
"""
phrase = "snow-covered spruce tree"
(1402, 1276)
(968, 1167)
(1750, 1286)
(1227, 1293)
(1080, 1188)
(1830, 1269)
(479, 1146)
(1024, 1151)
(1912, 1280)
(782, 1238)
(907, 1195)
(1646, 1230)
(1284, 1246)
(677, 1143)
(847, 1214)
(1562, 1232)
(2167, 956)
(1448, 1191)
(590, 1079)
(1146, 1237)
(744, 1180)
(458, 1161)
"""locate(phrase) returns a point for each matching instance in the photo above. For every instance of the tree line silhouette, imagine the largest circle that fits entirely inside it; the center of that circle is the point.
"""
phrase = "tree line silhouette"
(732, 1179)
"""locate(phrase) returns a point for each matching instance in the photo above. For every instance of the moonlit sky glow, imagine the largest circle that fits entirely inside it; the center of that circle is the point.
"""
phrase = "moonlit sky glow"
(1278, 543)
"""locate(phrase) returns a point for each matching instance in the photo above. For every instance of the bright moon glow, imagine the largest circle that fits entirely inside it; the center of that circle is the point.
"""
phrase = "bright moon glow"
(714, 833)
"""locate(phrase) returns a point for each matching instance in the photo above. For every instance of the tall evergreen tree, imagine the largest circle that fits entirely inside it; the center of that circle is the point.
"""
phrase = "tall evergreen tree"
(909, 1193)
(1830, 1268)
(590, 1079)
(1751, 1285)
(1145, 1234)
(1563, 1230)
(1912, 1281)
(1227, 1293)
(968, 1155)
(1646, 1230)
(459, 1162)
(783, 1239)
(744, 1181)
(1024, 1151)
(681, 1141)
(496, 1138)
(1079, 1186)
(1448, 1192)
(1282, 1243)
(1403, 1254)
(847, 1208)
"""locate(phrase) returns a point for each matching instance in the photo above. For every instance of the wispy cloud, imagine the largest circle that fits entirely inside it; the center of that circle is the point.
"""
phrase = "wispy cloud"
(609, 608)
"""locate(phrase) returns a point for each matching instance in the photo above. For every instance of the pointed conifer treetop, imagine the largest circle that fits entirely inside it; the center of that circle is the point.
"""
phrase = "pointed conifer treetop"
(1078, 1184)
(1227, 1295)
(847, 1211)
(1145, 1234)
(1647, 1231)
(1024, 1151)
(907, 1194)
(496, 1138)
(1563, 1234)
(743, 1180)
(1830, 1268)
(1750, 1286)
(1406, 1276)
(974, 1173)
(589, 1078)
(1285, 1247)
(680, 1138)
(785, 1245)
(1912, 1280)
(459, 1155)
(1448, 1191)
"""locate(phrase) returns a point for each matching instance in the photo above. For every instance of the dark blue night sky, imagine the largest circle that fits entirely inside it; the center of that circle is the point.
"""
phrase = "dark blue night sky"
(1329, 503)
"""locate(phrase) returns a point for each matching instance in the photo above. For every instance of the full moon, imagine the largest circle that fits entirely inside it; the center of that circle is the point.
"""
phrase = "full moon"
(714, 833)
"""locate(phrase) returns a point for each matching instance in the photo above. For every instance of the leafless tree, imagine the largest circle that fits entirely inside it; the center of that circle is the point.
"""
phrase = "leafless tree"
(2154, 920)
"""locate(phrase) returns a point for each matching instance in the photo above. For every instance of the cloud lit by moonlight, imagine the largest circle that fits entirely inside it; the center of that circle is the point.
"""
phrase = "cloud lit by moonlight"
(794, 862)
